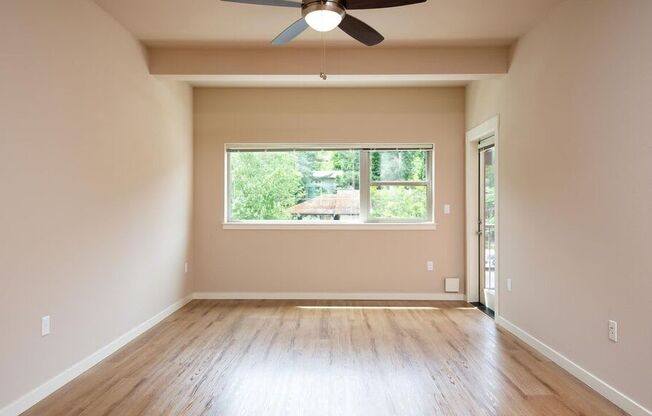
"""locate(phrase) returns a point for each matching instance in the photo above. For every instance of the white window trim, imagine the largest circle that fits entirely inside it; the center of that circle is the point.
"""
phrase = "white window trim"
(289, 225)
(364, 223)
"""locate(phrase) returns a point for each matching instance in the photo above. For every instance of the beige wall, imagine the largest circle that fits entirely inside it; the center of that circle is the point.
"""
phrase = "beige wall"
(327, 261)
(576, 186)
(485, 99)
(95, 185)
(465, 62)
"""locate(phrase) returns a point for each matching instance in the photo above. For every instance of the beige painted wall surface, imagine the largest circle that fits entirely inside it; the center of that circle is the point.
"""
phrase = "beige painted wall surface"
(576, 186)
(485, 99)
(445, 61)
(95, 184)
(327, 261)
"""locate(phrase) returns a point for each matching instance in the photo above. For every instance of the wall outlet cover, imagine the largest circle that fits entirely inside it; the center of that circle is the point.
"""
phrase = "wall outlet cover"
(613, 331)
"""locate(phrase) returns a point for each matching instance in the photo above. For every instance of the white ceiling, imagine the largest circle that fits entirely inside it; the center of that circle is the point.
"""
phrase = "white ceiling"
(436, 22)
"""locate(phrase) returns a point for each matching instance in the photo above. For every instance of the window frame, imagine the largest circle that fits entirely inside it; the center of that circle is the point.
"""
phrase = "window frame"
(428, 183)
(364, 222)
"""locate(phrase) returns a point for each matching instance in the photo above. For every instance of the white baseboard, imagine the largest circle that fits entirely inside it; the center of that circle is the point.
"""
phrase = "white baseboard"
(329, 296)
(58, 381)
(610, 393)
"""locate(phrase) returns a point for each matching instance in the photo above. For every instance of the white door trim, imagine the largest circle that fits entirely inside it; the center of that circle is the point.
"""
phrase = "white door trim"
(473, 137)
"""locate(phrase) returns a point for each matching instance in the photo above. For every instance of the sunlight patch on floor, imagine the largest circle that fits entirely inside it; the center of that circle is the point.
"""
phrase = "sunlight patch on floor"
(372, 307)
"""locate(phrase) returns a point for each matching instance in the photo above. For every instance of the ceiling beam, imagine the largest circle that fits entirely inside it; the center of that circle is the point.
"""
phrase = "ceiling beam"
(445, 61)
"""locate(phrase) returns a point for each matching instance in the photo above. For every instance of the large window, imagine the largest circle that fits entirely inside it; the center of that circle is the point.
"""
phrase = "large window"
(330, 184)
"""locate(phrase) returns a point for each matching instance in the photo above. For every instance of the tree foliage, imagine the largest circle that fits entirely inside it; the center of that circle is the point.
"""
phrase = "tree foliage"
(264, 185)
(348, 162)
(396, 165)
(402, 202)
(307, 163)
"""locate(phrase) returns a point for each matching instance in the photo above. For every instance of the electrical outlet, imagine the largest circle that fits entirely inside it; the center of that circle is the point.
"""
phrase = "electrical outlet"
(185, 267)
(509, 284)
(430, 265)
(613, 331)
(45, 326)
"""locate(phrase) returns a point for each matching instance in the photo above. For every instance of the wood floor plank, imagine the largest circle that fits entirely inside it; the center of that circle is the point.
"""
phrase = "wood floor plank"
(287, 358)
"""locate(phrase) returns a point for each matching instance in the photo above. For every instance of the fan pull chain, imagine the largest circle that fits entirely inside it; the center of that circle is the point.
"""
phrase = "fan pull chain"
(322, 74)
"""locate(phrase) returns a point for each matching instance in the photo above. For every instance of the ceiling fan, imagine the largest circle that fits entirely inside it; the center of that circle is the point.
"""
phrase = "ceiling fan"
(326, 15)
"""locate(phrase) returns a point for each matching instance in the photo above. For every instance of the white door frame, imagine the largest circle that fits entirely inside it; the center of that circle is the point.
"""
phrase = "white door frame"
(473, 137)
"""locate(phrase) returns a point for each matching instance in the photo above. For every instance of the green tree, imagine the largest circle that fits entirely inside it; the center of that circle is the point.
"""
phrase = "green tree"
(414, 165)
(264, 185)
(307, 163)
(398, 202)
(375, 166)
(348, 162)
(398, 165)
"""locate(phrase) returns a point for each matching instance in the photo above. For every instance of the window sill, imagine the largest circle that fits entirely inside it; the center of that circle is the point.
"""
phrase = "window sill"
(423, 226)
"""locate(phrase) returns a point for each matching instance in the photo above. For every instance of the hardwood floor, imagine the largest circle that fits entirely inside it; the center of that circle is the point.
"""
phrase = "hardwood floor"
(317, 358)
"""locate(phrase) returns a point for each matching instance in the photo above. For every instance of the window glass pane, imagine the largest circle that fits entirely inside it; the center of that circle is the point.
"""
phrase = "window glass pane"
(399, 202)
(398, 165)
(295, 185)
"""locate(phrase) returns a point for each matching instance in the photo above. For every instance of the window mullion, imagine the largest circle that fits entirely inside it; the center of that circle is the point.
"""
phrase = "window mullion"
(364, 185)
(399, 183)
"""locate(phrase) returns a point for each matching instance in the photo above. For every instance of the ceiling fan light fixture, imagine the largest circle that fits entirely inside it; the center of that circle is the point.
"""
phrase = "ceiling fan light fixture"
(323, 20)
(323, 17)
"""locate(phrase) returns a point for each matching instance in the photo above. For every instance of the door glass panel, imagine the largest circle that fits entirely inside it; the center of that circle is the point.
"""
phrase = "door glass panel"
(489, 220)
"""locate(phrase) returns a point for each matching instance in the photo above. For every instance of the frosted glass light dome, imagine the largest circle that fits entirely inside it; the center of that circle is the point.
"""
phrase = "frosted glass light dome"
(323, 20)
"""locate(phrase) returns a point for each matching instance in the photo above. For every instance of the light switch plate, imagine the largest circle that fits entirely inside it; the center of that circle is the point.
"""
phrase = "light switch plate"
(447, 209)
(45, 325)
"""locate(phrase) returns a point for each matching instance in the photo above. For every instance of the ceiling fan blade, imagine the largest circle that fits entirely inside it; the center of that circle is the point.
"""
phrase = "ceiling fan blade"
(280, 3)
(291, 32)
(378, 4)
(360, 31)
